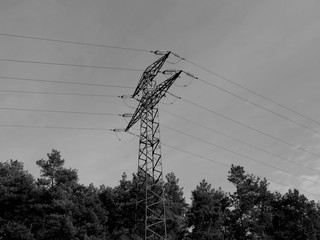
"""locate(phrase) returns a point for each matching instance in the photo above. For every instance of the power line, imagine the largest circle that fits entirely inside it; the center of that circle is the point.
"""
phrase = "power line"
(113, 130)
(113, 114)
(251, 91)
(239, 154)
(226, 165)
(97, 45)
(72, 42)
(69, 65)
(64, 82)
(59, 111)
(246, 100)
(55, 127)
(251, 128)
(196, 155)
(259, 106)
(57, 93)
(240, 141)
(144, 50)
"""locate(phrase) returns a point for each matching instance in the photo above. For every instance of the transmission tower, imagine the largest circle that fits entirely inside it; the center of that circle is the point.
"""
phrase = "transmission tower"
(150, 212)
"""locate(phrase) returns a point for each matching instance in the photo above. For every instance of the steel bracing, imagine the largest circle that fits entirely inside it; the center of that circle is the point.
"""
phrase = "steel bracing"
(150, 214)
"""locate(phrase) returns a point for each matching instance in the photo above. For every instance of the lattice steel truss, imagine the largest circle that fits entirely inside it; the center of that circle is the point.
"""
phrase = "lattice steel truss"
(150, 218)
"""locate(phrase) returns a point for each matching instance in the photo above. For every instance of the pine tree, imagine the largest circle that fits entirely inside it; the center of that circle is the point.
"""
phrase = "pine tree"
(251, 217)
(176, 208)
(208, 212)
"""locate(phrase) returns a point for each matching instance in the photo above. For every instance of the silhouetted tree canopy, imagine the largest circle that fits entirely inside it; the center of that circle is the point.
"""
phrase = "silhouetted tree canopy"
(57, 206)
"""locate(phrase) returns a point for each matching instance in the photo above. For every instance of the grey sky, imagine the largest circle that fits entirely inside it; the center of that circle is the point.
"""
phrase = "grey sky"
(271, 47)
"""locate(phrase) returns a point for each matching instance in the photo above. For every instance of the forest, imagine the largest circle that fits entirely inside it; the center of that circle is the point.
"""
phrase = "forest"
(57, 206)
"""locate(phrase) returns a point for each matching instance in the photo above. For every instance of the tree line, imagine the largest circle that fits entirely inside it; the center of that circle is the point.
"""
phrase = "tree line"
(57, 206)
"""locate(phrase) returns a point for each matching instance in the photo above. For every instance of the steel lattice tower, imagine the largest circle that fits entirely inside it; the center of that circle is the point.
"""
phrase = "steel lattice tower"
(150, 218)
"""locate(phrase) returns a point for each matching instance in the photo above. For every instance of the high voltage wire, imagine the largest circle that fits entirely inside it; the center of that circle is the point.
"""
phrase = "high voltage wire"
(131, 69)
(259, 106)
(226, 165)
(251, 128)
(105, 129)
(144, 50)
(59, 111)
(93, 113)
(195, 155)
(69, 64)
(239, 154)
(197, 65)
(57, 93)
(251, 91)
(114, 114)
(240, 141)
(73, 42)
(116, 86)
(64, 82)
(55, 127)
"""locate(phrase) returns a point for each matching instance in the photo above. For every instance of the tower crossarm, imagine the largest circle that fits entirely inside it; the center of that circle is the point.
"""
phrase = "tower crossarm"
(151, 99)
(150, 73)
(136, 116)
(161, 89)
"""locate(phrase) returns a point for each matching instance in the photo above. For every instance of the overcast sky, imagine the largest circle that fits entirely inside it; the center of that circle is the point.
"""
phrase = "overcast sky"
(269, 47)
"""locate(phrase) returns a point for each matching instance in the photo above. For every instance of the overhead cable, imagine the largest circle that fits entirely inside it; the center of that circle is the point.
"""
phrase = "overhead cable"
(226, 165)
(64, 82)
(240, 141)
(251, 91)
(57, 93)
(69, 64)
(251, 128)
(72, 42)
(55, 127)
(239, 154)
(58, 111)
(251, 102)
(259, 106)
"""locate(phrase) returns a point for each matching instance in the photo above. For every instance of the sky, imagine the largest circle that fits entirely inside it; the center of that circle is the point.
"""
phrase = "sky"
(270, 48)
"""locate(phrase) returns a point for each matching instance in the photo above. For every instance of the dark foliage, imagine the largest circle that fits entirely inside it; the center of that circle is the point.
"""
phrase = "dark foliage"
(57, 206)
